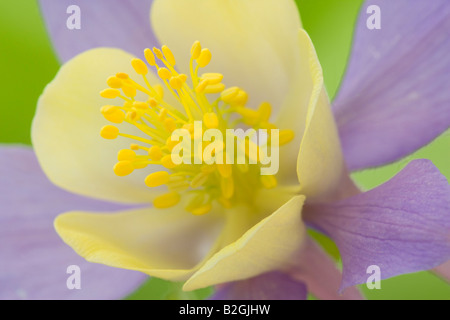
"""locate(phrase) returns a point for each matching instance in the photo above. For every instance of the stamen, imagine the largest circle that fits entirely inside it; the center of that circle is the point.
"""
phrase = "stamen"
(157, 179)
(155, 153)
(110, 93)
(196, 50)
(109, 132)
(211, 182)
(123, 168)
(114, 82)
(139, 66)
(169, 55)
(167, 200)
(211, 120)
(126, 155)
(204, 59)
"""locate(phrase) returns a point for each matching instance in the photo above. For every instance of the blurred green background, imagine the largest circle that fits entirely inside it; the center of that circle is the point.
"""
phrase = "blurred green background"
(28, 63)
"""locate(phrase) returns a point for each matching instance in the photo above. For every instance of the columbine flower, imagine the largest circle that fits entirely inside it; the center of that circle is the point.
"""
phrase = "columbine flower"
(258, 243)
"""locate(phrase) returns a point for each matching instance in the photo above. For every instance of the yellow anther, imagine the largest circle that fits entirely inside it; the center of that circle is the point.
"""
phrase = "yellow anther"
(269, 182)
(182, 77)
(128, 104)
(139, 66)
(227, 187)
(199, 180)
(158, 53)
(196, 201)
(109, 132)
(249, 116)
(171, 144)
(202, 86)
(225, 203)
(140, 105)
(211, 120)
(196, 50)
(214, 78)
(114, 82)
(122, 75)
(176, 83)
(204, 59)
(155, 153)
(201, 210)
(264, 110)
(113, 114)
(156, 118)
(189, 127)
(229, 94)
(241, 98)
(129, 91)
(132, 116)
(170, 125)
(152, 102)
(149, 57)
(178, 186)
(164, 73)
(162, 115)
(167, 162)
(159, 90)
(215, 88)
(167, 200)
(123, 168)
(157, 179)
(110, 93)
(140, 165)
(225, 170)
(126, 155)
(108, 109)
(286, 136)
(134, 147)
(169, 55)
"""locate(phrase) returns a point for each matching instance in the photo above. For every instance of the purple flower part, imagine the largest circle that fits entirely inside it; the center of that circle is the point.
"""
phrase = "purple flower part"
(322, 277)
(269, 286)
(33, 259)
(394, 98)
(402, 226)
(443, 271)
(123, 24)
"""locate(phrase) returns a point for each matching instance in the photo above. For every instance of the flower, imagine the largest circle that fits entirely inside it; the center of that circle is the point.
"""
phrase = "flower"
(349, 220)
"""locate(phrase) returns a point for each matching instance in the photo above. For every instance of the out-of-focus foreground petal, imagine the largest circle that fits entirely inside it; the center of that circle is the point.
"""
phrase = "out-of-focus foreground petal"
(269, 286)
(321, 170)
(170, 244)
(269, 245)
(402, 226)
(104, 23)
(315, 268)
(33, 259)
(443, 271)
(394, 98)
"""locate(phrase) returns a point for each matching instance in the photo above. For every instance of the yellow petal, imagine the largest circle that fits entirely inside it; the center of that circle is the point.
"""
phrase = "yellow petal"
(66, 130)
(292, 115)
(268, 245)
(169, 244)
(320, 164)
(253, 43)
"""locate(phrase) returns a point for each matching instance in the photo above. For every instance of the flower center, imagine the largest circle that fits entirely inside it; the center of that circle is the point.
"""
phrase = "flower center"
(216, 170)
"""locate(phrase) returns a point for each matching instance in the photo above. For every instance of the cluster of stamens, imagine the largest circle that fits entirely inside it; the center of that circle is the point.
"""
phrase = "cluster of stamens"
(223, 183)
